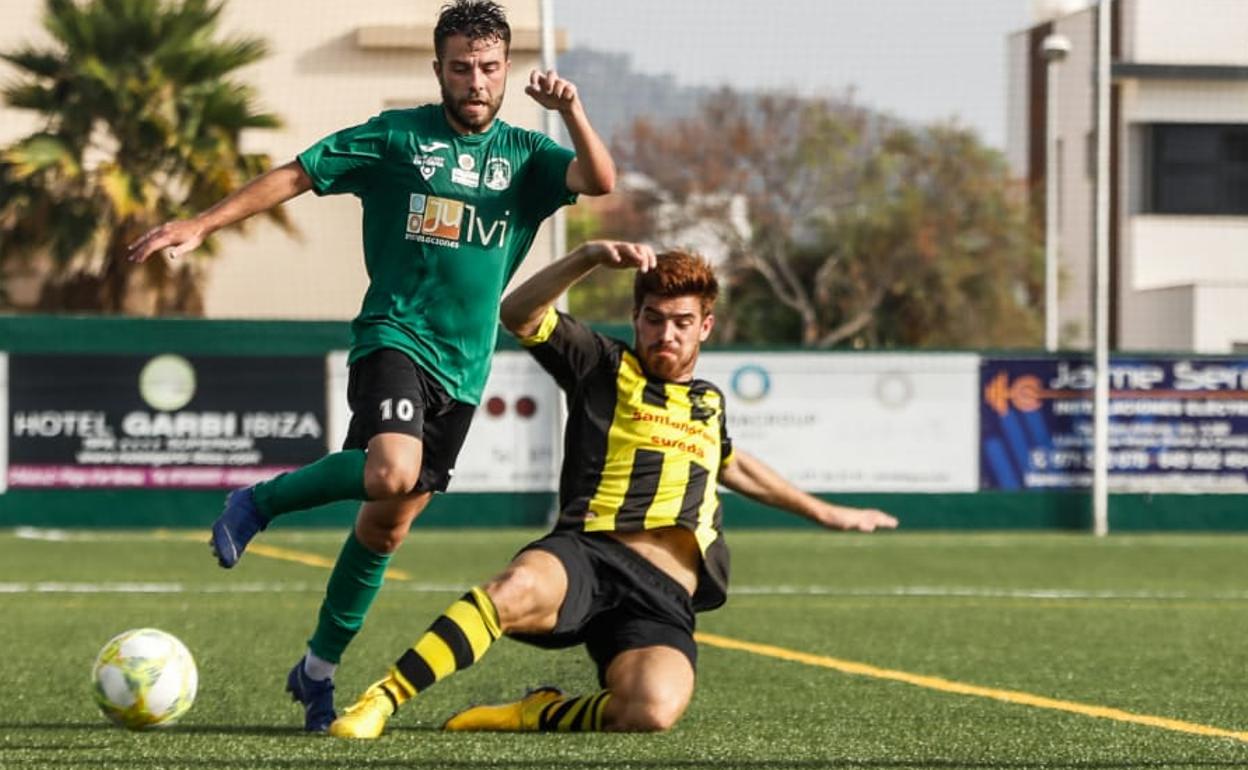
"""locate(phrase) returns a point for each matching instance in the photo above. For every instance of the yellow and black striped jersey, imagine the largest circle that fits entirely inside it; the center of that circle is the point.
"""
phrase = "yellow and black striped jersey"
(639, 452)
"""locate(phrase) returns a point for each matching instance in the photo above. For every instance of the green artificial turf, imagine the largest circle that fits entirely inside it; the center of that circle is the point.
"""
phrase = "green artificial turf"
(1149, 624)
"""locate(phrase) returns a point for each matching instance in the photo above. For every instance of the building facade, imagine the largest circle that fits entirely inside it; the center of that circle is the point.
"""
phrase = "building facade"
(330, 66)
(1179, 169)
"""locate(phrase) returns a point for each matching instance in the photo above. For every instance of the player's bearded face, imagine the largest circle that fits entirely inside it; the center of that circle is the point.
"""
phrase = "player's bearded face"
(473, 77)
(669, 333)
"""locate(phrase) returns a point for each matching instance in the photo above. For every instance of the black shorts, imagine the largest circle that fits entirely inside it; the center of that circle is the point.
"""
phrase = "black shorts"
(389, 393)
(617, 601)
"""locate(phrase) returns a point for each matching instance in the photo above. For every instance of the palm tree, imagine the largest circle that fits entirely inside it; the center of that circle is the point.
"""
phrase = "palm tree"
(140, 123)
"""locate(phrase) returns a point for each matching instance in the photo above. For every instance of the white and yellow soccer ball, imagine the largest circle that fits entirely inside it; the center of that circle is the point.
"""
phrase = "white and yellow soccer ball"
(144, 678)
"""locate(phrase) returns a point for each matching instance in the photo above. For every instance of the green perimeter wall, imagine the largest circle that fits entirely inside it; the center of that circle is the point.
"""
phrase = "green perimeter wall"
(982, 510)
(179, 508)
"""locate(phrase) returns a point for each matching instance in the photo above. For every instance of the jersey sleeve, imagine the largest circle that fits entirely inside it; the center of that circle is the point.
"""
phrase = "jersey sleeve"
(725, 441)
(546, 183)
(566, 348)
(343, 161)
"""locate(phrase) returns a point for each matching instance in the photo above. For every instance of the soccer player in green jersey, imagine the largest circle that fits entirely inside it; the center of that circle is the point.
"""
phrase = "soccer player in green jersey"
(452, 198)
(638, 547)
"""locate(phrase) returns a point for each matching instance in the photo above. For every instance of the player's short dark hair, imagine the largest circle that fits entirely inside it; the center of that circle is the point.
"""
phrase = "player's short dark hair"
(475, 20)
(677, 273)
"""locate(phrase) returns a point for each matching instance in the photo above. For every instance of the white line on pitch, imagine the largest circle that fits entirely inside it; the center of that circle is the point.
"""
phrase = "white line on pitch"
(1039, 540)
(745, 590)
(206, 588)
(982, 593)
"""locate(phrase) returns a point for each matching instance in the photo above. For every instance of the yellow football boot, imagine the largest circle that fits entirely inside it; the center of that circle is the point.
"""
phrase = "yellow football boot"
(522, 715)
(366, 718)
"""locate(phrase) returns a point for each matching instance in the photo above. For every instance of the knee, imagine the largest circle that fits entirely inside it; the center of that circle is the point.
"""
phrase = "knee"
(515, 595)
(386, 481)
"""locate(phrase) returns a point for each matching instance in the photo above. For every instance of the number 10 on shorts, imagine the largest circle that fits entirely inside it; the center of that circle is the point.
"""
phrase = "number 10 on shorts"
(403, 409)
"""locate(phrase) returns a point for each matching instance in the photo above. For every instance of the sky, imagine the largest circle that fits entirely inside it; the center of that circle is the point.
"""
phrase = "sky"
(917, 59)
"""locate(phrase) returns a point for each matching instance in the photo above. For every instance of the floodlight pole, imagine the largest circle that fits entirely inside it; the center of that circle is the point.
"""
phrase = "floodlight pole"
(1054, 50)
(558, 246)
(1100, 427)
(552, 127)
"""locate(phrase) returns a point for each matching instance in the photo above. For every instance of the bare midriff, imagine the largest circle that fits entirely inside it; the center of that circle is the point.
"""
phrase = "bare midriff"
(672, 549)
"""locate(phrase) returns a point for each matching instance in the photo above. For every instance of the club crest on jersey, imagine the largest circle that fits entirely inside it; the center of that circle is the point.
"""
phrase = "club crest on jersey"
(498, 173)
(699, 409)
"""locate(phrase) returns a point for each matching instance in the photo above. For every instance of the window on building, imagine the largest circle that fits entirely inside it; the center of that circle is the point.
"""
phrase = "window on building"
(1197, 169)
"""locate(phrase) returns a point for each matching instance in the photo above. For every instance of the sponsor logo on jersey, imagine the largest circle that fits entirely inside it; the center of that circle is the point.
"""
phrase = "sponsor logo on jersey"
(464, 175)
(449, 222)
(466, 178)
(498, 173)
(428, 164)
(433, 147)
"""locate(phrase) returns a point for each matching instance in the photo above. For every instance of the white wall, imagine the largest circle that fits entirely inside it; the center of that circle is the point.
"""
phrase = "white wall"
(1221, 320)
(19, 25)
(1171, 250)
(1075, 114)
(1159, 320)
(1184, 283)
(1185, 31)
(1187, 101)
(1016, 114)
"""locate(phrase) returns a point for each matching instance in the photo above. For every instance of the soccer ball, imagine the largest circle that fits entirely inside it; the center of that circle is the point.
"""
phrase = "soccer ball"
(144, 678)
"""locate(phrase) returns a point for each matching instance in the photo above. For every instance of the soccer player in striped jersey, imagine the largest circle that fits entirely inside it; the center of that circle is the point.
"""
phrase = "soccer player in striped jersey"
(638, 548)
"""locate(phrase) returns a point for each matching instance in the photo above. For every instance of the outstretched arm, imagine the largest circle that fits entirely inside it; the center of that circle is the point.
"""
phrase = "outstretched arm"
(748, 476)
(592, 171)
(523, 309)
(260, 194)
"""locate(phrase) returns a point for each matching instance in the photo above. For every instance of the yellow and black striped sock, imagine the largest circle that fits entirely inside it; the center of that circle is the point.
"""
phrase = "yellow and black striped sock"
(454, 642)
(579, 714)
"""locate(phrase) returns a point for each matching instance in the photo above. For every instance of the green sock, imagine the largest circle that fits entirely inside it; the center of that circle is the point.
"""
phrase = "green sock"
(334, 477)
(354, 583)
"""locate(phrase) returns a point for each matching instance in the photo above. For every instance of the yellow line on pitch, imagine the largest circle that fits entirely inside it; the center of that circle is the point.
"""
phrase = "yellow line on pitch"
(283, 554)
(960, 688)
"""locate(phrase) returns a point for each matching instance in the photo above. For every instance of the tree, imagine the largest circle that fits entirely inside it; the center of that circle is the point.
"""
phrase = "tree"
(605, 296)
(859, 231)
(140, 124)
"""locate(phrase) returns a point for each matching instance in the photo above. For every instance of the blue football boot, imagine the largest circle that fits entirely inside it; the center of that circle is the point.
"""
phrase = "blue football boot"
(236, 526)
(316, 696)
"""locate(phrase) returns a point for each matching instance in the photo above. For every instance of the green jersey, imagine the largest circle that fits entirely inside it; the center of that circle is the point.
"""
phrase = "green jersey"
(447, 219)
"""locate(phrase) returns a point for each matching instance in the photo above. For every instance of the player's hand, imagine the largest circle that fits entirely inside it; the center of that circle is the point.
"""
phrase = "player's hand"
(621, 255)
(856, 519)
(172, 239)
(551, 91)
